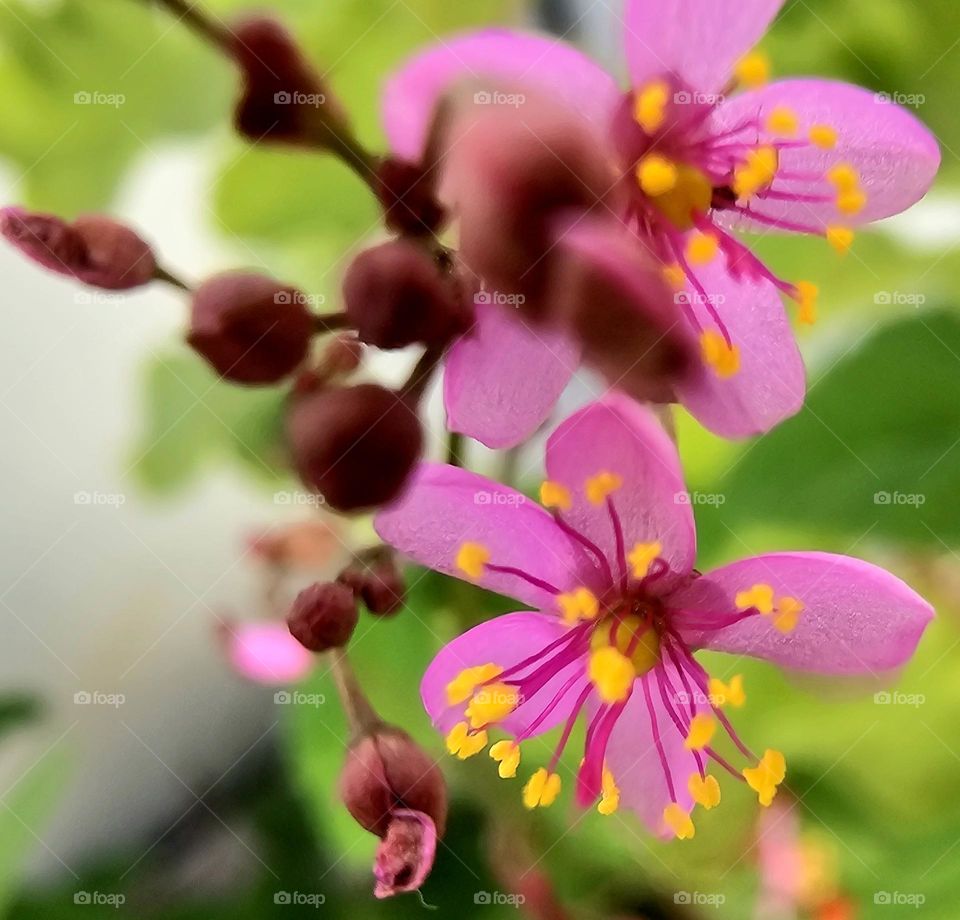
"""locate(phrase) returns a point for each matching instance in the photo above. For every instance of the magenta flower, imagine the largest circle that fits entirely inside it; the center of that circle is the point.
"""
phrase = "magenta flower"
(618, 615)
(798, 156)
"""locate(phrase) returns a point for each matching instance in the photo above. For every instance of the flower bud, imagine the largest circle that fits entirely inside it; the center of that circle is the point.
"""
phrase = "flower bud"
(323, 616)
(405, 855)
(283, 98)
(356, 446)
(250, 328)
(407, 195)
(94, 249)
(380, 585)
(395, 295)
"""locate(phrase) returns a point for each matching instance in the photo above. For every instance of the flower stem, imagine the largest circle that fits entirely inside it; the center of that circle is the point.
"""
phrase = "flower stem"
(331, 322)
(161, 274)
(421, 374)
(207, 28)
(360, 713)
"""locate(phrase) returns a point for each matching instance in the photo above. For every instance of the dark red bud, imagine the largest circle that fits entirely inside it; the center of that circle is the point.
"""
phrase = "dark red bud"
(405, 855)
(356, 446)
(283, 98)
(386, 771)
(250, 328)
(380, 585)
(395, 295)
(94, 249)
(323, 616)
(407, 195)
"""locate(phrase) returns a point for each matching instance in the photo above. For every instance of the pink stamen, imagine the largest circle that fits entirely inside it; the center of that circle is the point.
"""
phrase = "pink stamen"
(568, 728)
(655, 726)
(590, 776)
(519, 573)
(549, 708)
(621, 547)
(587, 544)
(662, 684)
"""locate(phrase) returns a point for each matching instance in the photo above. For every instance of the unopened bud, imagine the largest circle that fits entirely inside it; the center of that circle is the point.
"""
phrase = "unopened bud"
(94, 249)
(355, 446)
(407, 194)
(323, 616)
(395, 295)
(380, 585)
(250, 328)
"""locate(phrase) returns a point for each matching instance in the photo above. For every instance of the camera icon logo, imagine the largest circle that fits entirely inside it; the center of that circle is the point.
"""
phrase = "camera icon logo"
(282, 897)
(283, 698)
(81, 897)
(282, 98)
(82, 698)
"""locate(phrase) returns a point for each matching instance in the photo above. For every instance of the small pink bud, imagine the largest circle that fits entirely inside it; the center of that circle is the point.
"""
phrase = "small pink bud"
(323, 616)
(408, 198)
(250, 328)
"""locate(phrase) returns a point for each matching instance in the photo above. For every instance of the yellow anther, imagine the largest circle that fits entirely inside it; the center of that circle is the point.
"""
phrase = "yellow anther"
(657, 175)
(851, 201)
(465, 743)
(600, 486)
(650, 105)
(807, 295)
(752, 70)
(472, 559)
(541, 790)
(641, 557)
(678, 821)
(766, 776)
(704, 790)
(691, 196)
(757, 173)
(783, 122)
(612, 673)
(840, 238)
(823, 136)
(720, 355)
(554, 495)
(609, 795)
(461, 688)
(701, 731)
(492, 703)
(675, 276)
(507, 755)
(731, 694)
(844, 178)
(702, 248)
(759, 596)
(581, 604)
(787, 614)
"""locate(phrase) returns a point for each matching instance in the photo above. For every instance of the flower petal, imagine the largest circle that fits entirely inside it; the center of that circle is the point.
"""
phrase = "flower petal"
(697, 40)
(857, 617)
(616, 435)
(895, 155)
(502, 378)
(445, 507)
(266, 653)
(504, 641)
(770, 384)
(509, 57)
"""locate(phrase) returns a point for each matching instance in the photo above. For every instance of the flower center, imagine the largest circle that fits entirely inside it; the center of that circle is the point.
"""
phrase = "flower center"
(634, 636)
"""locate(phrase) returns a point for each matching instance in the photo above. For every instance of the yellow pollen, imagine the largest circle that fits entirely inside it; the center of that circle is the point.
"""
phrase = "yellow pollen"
(492, 703)
(759, 596)
(806, 297)
(783, 121)
(554, 495)
(766, 776)
(692, 195)
(700, 734)
(633, 636)
(722, 357)
(612, 673)
(650, 105)
(675, 276)
(678, 821)
(472, 559)
(600, 486)
(731, 694)
(507, 755)
(852, 201)
(704, 790)
(641, 557)
(465, 743)
(844, 178)
(787, 614)
(581, 604)
(461, 688)
(840, 238)
(752, 70)
(757, 173)
(823, 136)
(610, 794)
(541, 790)
(702, 248)
(657, 175)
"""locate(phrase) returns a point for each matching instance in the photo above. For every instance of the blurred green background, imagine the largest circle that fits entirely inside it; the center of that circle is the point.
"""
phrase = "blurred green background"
(876, 781)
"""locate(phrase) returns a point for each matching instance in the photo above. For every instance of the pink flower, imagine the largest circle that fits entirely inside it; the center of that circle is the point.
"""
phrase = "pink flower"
(799, 155)
(263, 651)
(618, 615)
